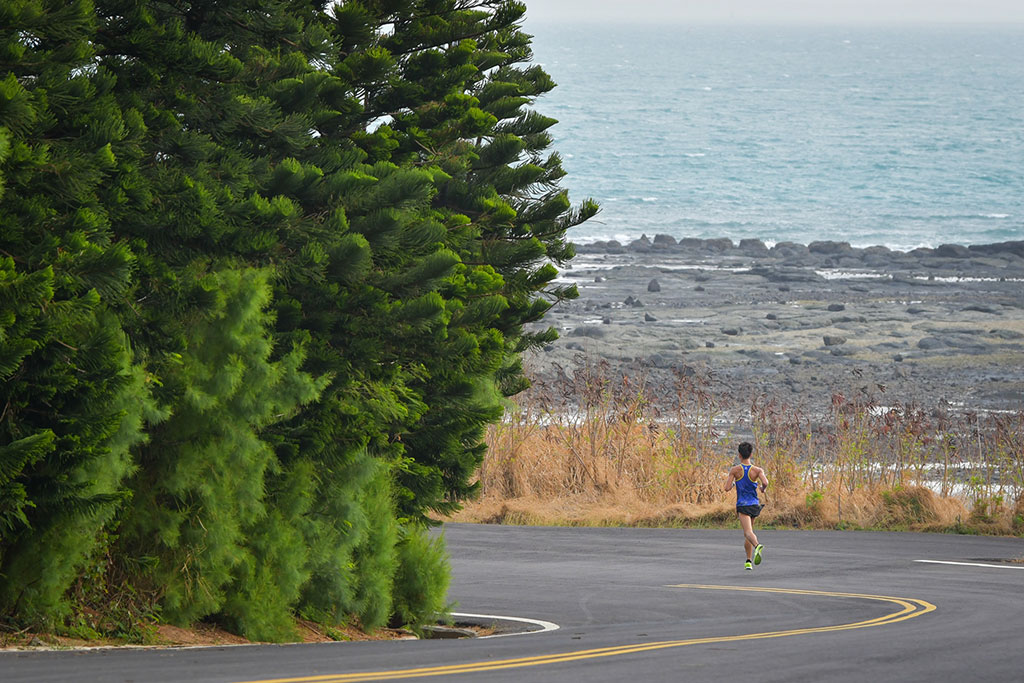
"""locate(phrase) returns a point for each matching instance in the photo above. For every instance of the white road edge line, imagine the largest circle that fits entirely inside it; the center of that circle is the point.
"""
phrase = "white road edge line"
(973, 564)
(545, 626)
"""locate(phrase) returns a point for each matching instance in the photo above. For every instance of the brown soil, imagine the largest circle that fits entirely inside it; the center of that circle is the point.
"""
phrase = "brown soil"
(201, 635)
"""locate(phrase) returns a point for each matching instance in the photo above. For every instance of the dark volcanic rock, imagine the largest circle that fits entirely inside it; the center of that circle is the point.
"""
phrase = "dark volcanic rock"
(721, 244)
(659, 361)
(633, 301)
(664, 241)
(753, 247)
(783, 274)
(952, 251)
(930, 344)
(587, 331)
(833, 340)
(835, 308)
(653, 286)
(1016, 248)
(650, 318)
(878, 261)
(790, 247)
(982, 308)
(830, 248)
(731, 331)
(641, 245)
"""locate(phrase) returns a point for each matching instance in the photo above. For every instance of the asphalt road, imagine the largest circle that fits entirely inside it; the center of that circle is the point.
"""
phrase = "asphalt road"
(659, 605)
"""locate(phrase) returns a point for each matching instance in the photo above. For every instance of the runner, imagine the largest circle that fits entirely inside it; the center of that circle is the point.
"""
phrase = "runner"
(746, 477)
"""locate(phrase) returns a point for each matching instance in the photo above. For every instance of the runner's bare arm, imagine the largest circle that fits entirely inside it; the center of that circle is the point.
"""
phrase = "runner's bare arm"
(730, 479)
(763, 480)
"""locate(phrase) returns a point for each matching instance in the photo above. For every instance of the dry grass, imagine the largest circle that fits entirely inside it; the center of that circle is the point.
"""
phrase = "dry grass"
(600, 450)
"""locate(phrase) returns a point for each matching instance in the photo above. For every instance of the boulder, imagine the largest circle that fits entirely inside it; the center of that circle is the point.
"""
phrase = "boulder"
(633, 301)
(754, 247)
(640, 245)
(833, 340)
(789, 248)
(835, 308)
(664, 241)
(588, 331)
(830, 248)
(952, 251)
(649, 318)
(653, 286)
(720, 244)
(1000, 248)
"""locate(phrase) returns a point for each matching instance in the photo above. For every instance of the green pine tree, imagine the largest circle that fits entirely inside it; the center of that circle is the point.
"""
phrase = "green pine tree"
(71, 402)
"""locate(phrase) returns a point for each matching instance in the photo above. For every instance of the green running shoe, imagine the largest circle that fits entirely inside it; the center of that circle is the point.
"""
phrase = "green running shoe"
(747, 565)
(758, 549)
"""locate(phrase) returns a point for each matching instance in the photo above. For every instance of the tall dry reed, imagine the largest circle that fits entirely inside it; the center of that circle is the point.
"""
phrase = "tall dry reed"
(594, 447)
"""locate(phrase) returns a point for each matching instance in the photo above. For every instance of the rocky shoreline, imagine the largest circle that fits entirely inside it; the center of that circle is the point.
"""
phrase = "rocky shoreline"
(934, 327)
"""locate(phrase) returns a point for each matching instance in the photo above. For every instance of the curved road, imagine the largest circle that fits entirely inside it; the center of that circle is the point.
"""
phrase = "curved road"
(659, 605)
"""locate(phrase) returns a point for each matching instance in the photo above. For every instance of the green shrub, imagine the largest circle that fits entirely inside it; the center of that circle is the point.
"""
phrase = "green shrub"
(421, 583)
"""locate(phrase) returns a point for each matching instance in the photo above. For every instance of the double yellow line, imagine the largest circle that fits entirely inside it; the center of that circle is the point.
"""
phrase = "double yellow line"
(909, 608)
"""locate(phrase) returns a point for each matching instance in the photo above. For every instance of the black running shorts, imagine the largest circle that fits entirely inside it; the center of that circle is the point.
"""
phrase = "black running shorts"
(749, 510)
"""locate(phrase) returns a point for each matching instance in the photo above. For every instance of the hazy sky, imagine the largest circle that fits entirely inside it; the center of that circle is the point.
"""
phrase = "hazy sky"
(779, 11)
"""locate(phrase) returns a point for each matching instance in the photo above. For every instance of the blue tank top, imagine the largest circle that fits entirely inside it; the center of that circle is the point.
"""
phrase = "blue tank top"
(746, 490)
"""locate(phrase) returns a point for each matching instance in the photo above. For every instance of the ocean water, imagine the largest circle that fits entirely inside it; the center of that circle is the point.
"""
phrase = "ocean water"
(906, 137)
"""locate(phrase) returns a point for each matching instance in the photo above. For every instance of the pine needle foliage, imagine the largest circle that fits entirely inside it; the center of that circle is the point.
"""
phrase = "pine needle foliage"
(71, 401)
(268, 267)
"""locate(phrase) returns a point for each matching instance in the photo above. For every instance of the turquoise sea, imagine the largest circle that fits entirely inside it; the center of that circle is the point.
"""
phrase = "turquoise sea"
(910, 136)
